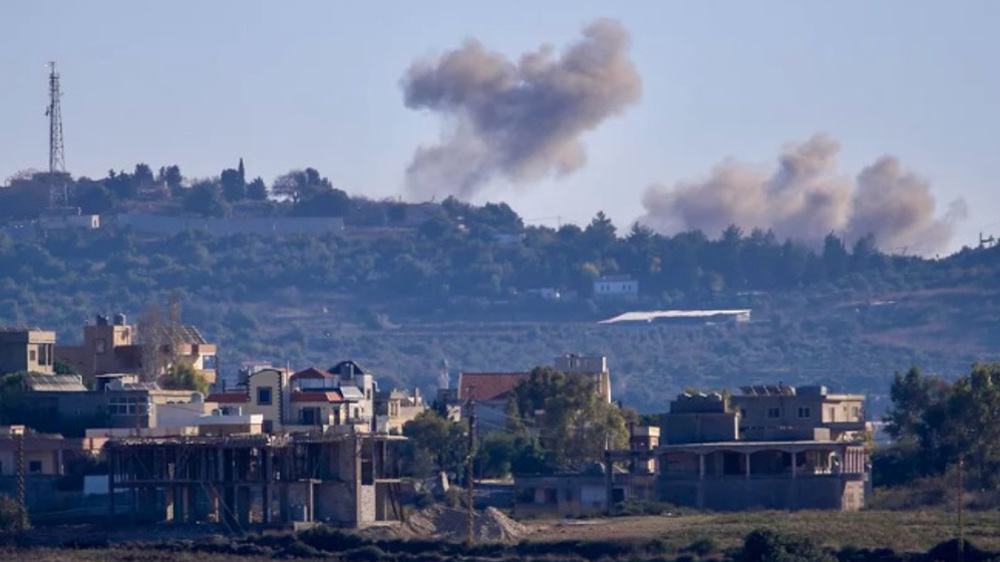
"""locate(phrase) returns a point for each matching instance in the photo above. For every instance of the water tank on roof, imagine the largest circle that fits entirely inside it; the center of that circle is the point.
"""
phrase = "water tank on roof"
(120, 319)
(102, 320)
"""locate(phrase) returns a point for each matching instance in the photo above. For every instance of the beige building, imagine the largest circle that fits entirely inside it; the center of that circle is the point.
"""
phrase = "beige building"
(44, 454)
(26, 349)
(340, 399)
(115, 347)
(395, 408)
(772, 447)
(777, 412)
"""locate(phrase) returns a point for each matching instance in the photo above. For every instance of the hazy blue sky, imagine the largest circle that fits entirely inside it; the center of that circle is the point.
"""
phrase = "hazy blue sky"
(316, 83)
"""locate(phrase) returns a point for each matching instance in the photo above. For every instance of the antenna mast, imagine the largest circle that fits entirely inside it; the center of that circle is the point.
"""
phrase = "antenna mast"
(57, 158)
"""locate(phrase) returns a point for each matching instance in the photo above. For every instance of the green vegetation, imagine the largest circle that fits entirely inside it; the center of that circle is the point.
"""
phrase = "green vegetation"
(411, 284)
(183, 376)
(13, 519)
(936, 423)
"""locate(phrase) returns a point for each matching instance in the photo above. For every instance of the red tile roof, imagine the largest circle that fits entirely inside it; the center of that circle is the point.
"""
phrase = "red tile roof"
(311, 373)
(329, 396)
(489, 386)
(228, 398)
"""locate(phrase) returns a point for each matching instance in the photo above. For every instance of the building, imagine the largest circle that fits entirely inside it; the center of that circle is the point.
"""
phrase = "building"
(26, 350)
(585, 492)
(680, 317)
(244, 480)
(616, 287)
(72, 219)
(311, 400)
(491, 391)
(784, 412)
(751, 455)
(396, 407)
(118, 401)
(117, 347)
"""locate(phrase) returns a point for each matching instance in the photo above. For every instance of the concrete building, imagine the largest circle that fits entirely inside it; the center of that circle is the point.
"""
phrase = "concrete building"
(716, 458)
(396, 407)
(116, 347)
(26, 349)
(779, 412)
(244, 480)
(593, 367)
(616, 287)
(311, 400)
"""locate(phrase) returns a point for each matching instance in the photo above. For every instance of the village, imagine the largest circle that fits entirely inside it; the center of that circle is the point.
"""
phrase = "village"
(291, 447)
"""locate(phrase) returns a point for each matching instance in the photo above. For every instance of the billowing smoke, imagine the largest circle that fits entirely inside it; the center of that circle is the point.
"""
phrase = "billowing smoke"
(807, 198)
(519, 121)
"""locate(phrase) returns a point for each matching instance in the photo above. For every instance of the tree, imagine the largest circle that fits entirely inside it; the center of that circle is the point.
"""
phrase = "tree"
(577, 425)
(205, 198)
(171, 175)
(331, 203)
(122, 184)
(183, 376)
(142, 176)
(93, 197)
(300, 184)
(439, 438)
(257, 190)
(234, 187)
(12, 517)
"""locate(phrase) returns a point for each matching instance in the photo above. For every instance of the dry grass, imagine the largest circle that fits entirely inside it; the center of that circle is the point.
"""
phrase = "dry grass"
(910, 531)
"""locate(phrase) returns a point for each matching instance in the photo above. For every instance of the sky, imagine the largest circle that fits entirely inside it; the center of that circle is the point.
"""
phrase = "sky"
(287, 85)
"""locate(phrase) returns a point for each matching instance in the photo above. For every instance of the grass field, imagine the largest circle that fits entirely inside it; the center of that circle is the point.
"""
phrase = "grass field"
(900, 530)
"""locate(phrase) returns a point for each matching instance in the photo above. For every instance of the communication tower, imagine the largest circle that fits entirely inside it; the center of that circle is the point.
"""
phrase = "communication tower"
(58, 195)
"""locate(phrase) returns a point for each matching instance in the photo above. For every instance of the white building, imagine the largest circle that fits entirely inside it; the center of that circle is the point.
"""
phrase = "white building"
(616, 286)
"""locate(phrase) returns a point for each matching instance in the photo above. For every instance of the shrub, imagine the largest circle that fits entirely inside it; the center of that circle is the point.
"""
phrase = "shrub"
(703, 546)
(329, 539)
(765, 545)
(299, 549)
(369, 553)
(12, 517)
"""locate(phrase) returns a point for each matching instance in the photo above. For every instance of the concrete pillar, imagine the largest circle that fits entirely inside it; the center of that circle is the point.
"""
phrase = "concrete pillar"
(213, 504)
(244, 505)
(795, 469)
(701, 466)
(112, 458)
(168, 504)
(747, 457)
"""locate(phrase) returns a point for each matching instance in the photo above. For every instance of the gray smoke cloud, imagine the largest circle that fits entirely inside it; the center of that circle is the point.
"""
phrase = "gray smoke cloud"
(806, 198)
(520, 121)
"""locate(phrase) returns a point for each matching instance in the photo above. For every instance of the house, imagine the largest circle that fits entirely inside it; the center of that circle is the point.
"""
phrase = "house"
(26, 349)
(491, 391)
(396, 407)
(69, 218)
(616, 287)
(119, 401)
(339, 399)
(751, 455)
(776, 412)
(118, 348)
(585, 491)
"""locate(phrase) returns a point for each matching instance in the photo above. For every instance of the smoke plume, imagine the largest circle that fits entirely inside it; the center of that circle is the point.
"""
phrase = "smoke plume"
(806, 198)
(520, 121)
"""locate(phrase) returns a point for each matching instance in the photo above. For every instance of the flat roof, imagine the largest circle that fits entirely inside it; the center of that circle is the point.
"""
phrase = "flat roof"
(758, 445)
(662, 314)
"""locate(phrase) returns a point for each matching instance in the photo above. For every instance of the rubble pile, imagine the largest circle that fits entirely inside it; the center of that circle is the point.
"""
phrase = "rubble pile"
(450, 524)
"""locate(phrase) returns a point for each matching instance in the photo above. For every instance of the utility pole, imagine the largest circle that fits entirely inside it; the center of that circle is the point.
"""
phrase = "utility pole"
(57, 157)
(961, 508)
(470, 508)
(22, 519)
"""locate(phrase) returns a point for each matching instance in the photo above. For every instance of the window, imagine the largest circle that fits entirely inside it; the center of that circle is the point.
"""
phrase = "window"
(309, 416)
(264, 396)
(805, 412)
(35, 467)
(550, 496)
(128, 405)
(857, 413)
(32, 355)
(833, 414)
(268, 426)
(774, 412)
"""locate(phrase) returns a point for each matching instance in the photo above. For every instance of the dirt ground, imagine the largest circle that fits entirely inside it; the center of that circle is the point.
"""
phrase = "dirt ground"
(900, 530)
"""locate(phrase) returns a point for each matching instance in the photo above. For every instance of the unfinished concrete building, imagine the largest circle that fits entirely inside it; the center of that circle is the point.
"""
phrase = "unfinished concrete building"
(246, 480)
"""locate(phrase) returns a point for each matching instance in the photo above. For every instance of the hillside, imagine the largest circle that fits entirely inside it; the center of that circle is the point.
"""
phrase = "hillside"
(455, 288)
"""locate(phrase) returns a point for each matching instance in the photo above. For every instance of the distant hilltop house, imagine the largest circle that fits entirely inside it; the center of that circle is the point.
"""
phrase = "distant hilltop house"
(680, 316)
(116, 347)
(68, 218)
(616, 287)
